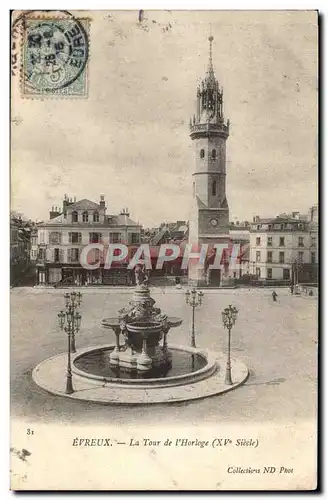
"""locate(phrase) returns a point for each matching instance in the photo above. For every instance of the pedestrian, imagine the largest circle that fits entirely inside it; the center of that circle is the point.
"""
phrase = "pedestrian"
(274, 296)
(292, 289)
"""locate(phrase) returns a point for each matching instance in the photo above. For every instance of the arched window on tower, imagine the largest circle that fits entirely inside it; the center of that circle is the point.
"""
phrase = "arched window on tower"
(95, 216)
(85, 217)
(213, 154)
(74, 217)
(214, 188)
(202, 153)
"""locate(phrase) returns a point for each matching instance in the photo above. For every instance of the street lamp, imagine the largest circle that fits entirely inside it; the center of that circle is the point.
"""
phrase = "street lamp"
(229, 316)
(193, 299)
(66, 321)
(72, 302)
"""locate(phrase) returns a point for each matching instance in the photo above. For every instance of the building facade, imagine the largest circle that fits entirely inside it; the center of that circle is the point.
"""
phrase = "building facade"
(240, 236)
(284, 248)
(20, 246)
(209, 221)
(79, 223)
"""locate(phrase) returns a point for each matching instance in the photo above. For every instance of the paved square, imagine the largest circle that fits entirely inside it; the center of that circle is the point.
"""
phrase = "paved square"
(277, 341)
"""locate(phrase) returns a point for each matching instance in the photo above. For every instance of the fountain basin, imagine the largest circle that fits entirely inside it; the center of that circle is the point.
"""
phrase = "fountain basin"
(204, 366)
(50, 375)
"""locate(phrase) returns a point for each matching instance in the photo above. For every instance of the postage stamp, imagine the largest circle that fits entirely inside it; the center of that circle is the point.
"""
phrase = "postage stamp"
(54, 57)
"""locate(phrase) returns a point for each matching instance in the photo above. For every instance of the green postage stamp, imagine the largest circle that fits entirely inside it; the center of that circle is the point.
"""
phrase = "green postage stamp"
(54, 57)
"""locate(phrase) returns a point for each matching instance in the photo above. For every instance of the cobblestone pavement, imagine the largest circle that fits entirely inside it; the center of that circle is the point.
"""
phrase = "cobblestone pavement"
(277, 341)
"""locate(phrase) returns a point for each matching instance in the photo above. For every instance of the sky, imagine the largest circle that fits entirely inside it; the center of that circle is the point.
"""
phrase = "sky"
(129, 139)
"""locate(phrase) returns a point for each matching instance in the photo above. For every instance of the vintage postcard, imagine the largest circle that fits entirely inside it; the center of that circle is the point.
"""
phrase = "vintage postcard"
(164, 250)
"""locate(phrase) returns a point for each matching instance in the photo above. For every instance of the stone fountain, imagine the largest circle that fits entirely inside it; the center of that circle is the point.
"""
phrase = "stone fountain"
(144, 329)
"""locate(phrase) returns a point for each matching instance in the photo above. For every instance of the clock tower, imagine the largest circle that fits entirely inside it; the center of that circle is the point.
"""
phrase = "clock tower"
(209, 221)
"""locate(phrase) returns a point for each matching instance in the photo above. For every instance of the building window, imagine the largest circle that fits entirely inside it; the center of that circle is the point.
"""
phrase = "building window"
(54, 238)
(42, 253)
(14, 236)
(313, 257)
(115, 237)
(258, 241)
(269, 273)
(258, 256)
(269, 241)
(42, 277)
(270, 227)
(96, 217)
(258, 272)
(282, 241)
(269, 259)
(75, 217)
(85, 217)
(202, 153)
(282, 226)
(285, 274)
(301, 241)
(213, 154)
(281, 257)
(95, 256)
(214, 188)
(258, 227)
(134, 238)
(94, 237)
(56, 255)
(75, 238)
(73, 255)
(300, 257)
(313, 241)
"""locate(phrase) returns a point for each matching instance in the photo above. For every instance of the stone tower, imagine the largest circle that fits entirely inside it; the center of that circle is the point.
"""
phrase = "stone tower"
(209, 221)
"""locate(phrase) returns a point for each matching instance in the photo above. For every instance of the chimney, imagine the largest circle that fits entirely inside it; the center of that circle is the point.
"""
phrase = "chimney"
(54, 212)
(65, 203)
(125, 211)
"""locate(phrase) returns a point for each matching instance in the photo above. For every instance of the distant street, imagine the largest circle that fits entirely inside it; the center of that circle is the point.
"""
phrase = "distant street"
(277, 341)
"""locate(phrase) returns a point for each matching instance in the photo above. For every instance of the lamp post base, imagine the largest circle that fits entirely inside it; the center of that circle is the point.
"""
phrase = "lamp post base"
(69, 385)
(228, 379)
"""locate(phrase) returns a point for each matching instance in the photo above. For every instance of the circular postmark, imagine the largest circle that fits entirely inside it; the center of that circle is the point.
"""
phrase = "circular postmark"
(55, 52)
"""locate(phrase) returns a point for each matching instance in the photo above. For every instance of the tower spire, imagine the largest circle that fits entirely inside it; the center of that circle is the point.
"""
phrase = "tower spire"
(210, 62)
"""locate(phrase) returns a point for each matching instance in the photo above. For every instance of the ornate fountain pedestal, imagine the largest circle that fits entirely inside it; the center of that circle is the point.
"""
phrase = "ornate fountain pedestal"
(145, 331)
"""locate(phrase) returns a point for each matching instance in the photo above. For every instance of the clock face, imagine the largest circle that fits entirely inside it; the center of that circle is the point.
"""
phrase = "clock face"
(214, 222)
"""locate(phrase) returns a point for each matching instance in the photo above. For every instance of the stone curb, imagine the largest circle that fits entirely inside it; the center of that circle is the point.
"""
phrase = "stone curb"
(50, 375)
